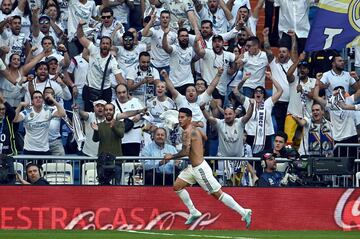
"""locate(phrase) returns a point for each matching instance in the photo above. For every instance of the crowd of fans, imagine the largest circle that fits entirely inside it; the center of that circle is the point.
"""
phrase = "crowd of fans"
(123, 67)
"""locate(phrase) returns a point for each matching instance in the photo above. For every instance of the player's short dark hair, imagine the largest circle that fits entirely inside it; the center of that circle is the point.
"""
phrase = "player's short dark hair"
(282, 135)
(186, 111)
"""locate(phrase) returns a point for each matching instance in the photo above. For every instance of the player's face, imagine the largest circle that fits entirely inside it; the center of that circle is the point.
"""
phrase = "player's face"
(159, 137)
(184, 120)
(33, 174)
(37, 100)
(160, 89)
(109, 112)
(279, 143)
(191, 94)
(229, 116)
(99, 110)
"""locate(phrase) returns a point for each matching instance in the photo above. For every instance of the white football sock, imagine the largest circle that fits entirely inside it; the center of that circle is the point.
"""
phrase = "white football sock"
(231, 203)
(185, 197)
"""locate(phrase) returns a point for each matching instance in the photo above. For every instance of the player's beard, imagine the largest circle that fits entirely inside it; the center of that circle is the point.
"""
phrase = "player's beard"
(183, 44)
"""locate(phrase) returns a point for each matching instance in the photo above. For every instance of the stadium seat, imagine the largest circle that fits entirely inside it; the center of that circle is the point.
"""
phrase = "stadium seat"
(357, 179)
(58, 173)
(127, 170)
(89, 174)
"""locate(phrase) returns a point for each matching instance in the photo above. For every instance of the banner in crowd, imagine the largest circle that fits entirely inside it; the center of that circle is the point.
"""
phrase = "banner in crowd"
(335, 26)
(147, 208)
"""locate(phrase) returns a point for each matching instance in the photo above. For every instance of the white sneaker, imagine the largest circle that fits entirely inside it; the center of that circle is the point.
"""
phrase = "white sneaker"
(247, 217)
(192, 218)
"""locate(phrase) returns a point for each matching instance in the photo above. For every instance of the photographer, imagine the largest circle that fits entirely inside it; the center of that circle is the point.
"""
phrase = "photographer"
(270, 177)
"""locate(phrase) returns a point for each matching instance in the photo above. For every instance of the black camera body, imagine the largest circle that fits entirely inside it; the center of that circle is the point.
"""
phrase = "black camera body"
(7, 171)
(105, 168)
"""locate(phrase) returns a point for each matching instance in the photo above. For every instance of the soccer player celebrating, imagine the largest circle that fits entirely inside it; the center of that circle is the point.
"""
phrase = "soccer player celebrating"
(199, 171)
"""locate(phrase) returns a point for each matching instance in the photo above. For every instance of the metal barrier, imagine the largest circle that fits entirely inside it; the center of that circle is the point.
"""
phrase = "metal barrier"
(81, 170)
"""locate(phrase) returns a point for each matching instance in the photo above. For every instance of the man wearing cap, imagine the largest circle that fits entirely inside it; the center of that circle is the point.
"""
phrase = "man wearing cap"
(128, 54)
(90, 147)
(270, 177)
(214, 59)
(279, 67)
(40, 26)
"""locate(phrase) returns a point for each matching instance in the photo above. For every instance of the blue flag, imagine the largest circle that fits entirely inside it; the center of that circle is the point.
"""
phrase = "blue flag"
(336, 25)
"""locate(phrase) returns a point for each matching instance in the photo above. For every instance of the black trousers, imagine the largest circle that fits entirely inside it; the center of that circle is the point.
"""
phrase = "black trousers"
(279, 112)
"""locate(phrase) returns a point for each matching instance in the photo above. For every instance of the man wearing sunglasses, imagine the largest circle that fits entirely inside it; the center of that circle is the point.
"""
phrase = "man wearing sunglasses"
(108, 24)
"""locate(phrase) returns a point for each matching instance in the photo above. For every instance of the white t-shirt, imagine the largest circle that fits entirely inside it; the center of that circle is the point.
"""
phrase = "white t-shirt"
(180, 62)
(37, 128)
(343, 123)
(78, 11)
(79, 68)
(157, 107)
(230, 138)
(60, 93)
(197, 115)
(144, 91)
(300, 102)
(121, 12)
(97, 67)
(90, 147)
(279, 71)
(134, 135)
(209, 65)
(237, 5)
(178, 10)
(220, 23)
(251, 125)
(159, 58)
(256, 65)
(129, 58)
(333, 80)
(16, 43)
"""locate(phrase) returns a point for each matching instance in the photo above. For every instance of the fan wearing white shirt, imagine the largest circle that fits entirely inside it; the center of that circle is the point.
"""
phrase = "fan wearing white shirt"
(217, 12)
(181, 55)
(98, 78)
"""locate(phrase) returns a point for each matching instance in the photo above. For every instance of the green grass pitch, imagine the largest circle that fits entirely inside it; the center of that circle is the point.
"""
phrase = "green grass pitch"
(77, 234)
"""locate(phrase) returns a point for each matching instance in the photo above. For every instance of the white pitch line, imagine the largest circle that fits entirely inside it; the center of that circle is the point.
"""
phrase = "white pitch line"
(186, 235)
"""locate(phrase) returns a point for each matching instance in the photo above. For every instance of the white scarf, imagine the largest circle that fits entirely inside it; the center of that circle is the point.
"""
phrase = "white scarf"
(260, 116)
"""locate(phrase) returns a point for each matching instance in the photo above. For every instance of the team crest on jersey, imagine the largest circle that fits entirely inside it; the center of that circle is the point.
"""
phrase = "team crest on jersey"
(31, 115)
(154, 103)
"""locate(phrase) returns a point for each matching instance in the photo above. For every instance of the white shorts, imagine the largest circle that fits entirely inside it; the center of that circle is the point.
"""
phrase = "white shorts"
(201, 174)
